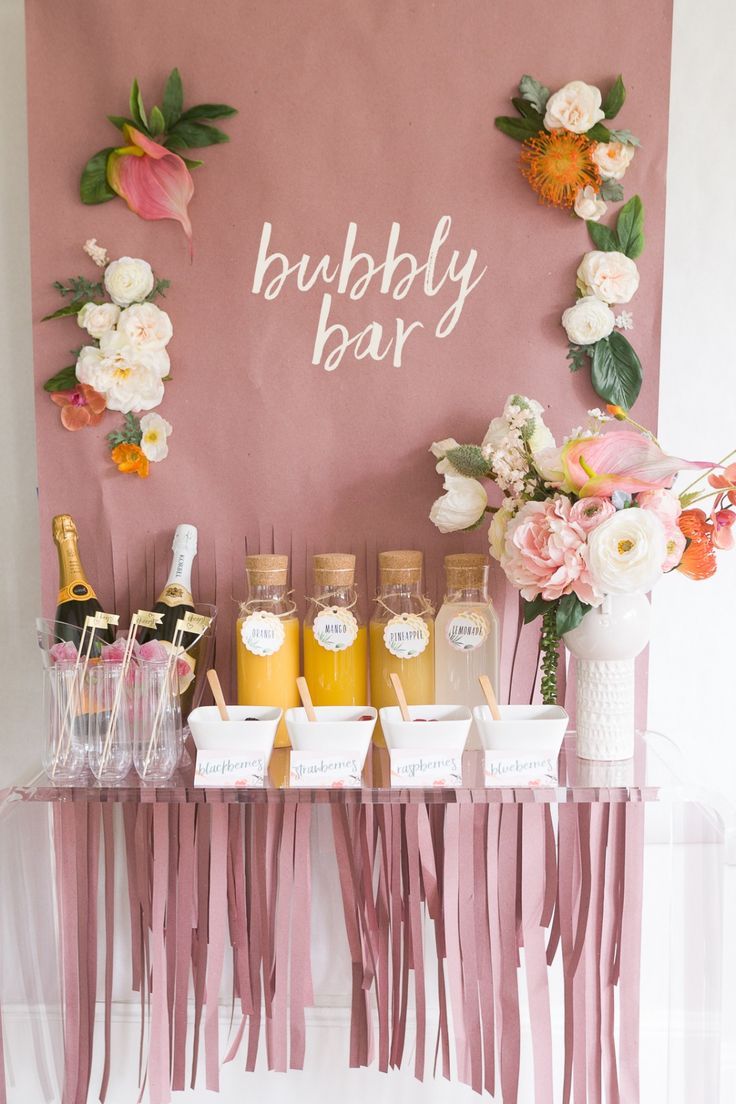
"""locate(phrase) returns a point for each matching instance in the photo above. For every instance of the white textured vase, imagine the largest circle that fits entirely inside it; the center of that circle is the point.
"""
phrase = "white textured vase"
(605, 645)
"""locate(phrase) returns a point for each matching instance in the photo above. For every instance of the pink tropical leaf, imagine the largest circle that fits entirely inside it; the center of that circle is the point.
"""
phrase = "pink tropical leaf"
(623, 460)
(153, 181)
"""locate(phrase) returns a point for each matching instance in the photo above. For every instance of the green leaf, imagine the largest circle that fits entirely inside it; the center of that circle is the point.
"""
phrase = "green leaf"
(598, 133)
(616, 372)
(630, 228)
(130, 434)
(536, 608)
(93, 186)
(157, 121)
(137, 110)
(602, 236)
(208, 111)
(120, 121)
(195, 135)
(160, 287)
(625, 136)
(469, 460)
(570, 612)
(518, 129)
(173, 99)
(64, 380)
(614, 101)
(526, 110)
(612, 190)
(578, 354)
(533, 92)
(191, 164)
(65, 312)
(174, 143)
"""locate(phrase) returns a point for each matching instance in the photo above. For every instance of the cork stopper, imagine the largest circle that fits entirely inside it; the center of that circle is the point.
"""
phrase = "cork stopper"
(466, 570)
(403, 566)
(334, 569)
(267, 570)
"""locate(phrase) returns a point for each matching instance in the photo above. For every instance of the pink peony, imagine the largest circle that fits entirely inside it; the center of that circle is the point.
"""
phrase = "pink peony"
(666, 506)
(63, 652)
(545, 553)
(589, 512)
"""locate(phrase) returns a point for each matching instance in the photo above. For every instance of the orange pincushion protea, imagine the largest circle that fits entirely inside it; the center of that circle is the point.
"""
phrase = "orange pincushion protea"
(699, 558)
(130, 458)
(558, 165)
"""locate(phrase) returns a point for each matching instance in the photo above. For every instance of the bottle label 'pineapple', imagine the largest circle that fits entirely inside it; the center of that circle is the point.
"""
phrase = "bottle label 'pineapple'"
(467, 631)
(406, 635)
(335, 629)
(263, 633)
(174, 594)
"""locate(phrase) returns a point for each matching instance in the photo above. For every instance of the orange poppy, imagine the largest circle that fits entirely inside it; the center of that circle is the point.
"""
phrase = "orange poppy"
(130, 458)
(80, 407)
(699, 558)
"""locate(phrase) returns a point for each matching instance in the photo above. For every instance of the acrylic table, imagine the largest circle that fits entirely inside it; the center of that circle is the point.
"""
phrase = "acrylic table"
(543, 945)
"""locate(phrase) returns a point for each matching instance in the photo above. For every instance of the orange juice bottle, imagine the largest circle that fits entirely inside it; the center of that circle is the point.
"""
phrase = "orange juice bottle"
(401, 633)
(267, 639)
(335, 644)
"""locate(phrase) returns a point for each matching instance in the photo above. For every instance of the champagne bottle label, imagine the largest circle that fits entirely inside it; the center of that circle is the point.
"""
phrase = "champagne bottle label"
(406, 635)
(467, 631)
(174, 594)
(335, 629)
(78, 591)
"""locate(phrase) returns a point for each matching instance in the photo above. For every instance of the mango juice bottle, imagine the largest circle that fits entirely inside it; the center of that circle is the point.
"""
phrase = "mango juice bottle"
(267, 639)
(335, 640)
(401, 633)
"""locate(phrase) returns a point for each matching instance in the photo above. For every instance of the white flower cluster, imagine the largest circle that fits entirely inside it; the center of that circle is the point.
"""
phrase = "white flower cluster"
(509, 440)
(602, 279)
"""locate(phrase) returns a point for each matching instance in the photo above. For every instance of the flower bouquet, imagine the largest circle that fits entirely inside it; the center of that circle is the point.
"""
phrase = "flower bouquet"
(582, 523)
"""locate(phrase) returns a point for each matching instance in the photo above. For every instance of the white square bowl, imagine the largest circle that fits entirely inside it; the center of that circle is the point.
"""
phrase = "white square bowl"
(446, 729)
(337, 729)
(210, 733)
(522, 727)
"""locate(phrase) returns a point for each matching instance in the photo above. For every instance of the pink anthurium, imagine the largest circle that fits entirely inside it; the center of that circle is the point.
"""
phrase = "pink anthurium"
(153, 181)
(623, 460)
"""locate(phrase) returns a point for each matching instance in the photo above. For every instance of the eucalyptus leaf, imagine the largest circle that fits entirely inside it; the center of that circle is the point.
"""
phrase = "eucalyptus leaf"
(65, 380)
(533, 92)
(612, 190)
(614, 101)
(602, 236)
(93, 185)
(570, 612)
(208, 111)
(630, 228)
(469, 460)
(173, 101)
(615, 371)
(519, 129)
(196, 135)
(598, 133)
(536, 608)
(157, 121)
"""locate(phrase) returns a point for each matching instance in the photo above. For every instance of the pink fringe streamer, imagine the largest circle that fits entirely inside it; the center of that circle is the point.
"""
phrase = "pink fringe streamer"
(497, 882)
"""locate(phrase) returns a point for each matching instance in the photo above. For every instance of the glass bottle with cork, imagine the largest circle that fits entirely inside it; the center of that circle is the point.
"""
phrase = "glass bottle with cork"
(467, 635)
(335, 639)
(267, 639)
(401, 632)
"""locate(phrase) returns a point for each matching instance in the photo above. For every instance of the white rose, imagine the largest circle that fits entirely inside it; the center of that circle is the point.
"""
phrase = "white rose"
(497, 531)
(589, 205)
(588, 321)
(154, 433)
(613, 159)
(461, 506)
(146, 324)
(439, 450)
(626, 552)
(130, 377)
(128, 280)
(612, 277)
(98, 318)
(576, 107)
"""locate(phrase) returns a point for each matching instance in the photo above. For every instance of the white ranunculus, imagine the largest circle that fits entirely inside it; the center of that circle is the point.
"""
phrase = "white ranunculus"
(613, 159)
(589, 205)
(128, 280)
(462, 505)
(439, 449)
(576, 107)
(497, 531)
(626, 552)
(129, 376)
(588, 321)
(612, 277)
(98, 318)
(154, 433)
(146, 324)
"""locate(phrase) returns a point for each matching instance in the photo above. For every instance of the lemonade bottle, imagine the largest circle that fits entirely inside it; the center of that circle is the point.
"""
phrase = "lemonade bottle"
(335, 640)
(267, 639)
(401, 633)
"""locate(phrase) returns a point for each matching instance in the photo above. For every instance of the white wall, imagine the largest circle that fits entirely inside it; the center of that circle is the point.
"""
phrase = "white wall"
(693, 654)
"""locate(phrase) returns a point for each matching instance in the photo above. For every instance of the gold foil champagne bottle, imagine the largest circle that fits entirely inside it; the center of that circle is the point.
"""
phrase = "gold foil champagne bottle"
(77, 600)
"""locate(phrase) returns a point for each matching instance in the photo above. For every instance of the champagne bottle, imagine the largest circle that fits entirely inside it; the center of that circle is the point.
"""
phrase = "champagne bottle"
(176, 598)
(77, 600)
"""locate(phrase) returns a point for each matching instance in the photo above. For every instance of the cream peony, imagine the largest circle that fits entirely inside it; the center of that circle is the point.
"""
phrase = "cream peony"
(612, 277)
(146, 324)
(154, 433)
(589, 205)
(98, 318)
(588, 321)
(576, 107)
(462, 505)
(130, 377)
(626, 552)
(128, 280)
(439, 450)
(613, 159)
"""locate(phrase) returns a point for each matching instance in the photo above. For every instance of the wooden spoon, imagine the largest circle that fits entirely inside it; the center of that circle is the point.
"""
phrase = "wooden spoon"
(400, 697)
(490, 696)
(217, 694)
(306, 697)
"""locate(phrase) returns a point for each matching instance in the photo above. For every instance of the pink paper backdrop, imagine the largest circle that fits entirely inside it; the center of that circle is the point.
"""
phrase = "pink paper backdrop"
(370, 111)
